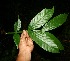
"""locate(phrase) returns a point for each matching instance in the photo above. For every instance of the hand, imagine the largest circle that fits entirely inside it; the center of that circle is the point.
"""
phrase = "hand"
(25, 47)
(26, 42)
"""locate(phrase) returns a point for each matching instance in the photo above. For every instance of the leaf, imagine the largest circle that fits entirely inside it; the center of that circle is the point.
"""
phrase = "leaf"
(41, 18)
(46, 40)
(16, 38)
(55, 22)
(17, 25)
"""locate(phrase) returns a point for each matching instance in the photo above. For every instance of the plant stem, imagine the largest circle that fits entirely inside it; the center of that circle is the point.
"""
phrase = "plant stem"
(13, 32)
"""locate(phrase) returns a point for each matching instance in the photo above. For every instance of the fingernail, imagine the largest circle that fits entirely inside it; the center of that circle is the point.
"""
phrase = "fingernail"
(24, 32)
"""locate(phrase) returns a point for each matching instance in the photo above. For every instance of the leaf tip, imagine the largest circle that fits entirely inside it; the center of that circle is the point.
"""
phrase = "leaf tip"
(53, 8)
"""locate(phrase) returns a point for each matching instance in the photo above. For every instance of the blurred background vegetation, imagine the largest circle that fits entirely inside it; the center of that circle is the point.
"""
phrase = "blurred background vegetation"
(27, 9)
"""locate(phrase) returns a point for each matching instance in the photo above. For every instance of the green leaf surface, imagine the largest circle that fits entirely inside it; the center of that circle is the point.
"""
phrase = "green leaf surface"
(16, 38)
(41, 18)
(17, 25)
(46, 40)
(55, 22)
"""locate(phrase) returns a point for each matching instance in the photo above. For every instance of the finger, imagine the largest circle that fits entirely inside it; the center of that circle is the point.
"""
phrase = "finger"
(30, 39)
(24, 32)
(23, 35)
(27, 34)
(30, 42)
(23, 39)
(22, 42)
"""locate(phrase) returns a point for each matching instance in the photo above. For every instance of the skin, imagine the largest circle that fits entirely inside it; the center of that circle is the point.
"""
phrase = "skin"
(25, 47)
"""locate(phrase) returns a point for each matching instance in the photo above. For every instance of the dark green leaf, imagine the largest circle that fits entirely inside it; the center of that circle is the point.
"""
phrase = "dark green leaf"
(15, 26)
(41, 18)
(55, 22)
(55, 40)
(16, 38)
(46, 41)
